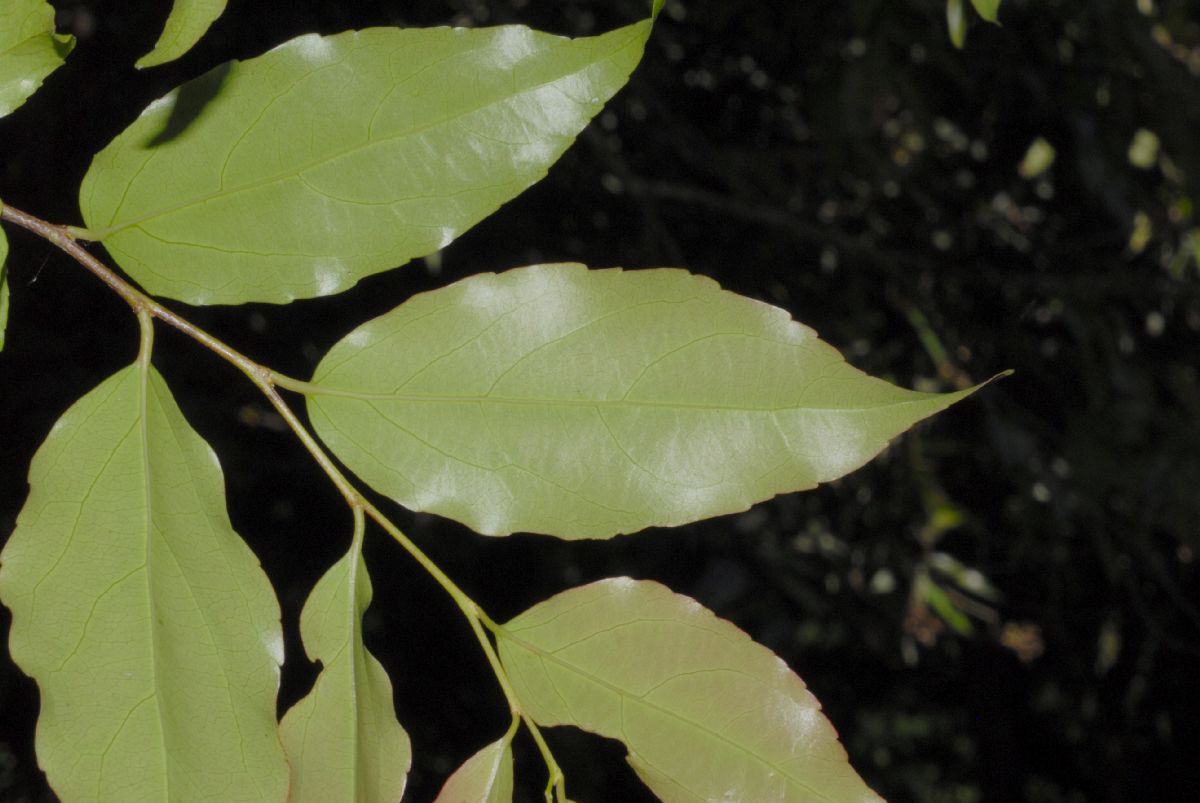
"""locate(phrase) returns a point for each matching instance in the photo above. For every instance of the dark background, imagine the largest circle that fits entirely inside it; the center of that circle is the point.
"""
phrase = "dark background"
(840, 159)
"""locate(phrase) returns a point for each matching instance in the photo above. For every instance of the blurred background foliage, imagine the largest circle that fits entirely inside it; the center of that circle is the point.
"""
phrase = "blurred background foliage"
(1002, 607)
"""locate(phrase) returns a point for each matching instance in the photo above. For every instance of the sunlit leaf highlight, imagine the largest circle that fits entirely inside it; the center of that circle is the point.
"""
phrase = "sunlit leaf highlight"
(486, 777)
(956, 22)
(557, 399)
(343, 740)
(705, 713)
(298, 173)
(149, 626)
(187, 23)
(29, 50)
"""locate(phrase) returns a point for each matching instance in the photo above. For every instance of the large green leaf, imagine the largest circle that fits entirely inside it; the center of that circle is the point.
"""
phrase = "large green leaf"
(343, 741)
(188, 21)
(706, 714)
(332, 158)
(486, 777)
(579, 403)
(149, 626)
(29, 50)
(3, 285)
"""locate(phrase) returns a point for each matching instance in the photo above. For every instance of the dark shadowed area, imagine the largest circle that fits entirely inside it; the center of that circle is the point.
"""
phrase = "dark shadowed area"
(1003, 606)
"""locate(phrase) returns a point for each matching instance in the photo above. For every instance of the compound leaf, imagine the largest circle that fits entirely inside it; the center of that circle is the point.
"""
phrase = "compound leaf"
(331, 158)
(29, 50)
(343, 740)
(705, 713)
(555, 399)
(188, 21)
(486, 777)
(149, 626)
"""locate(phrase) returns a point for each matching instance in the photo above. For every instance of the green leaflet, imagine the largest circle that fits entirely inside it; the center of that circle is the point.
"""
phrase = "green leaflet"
(332, 158)
(188, 21)
(555, 399)
(987, 9)
(3, 285)
(149, 626)
(29, 50)
(486, 777)
(343, 741)
(705, 713)
(956, 21)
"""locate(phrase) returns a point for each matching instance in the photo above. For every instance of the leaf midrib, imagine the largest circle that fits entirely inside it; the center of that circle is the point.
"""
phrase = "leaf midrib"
(299, 170)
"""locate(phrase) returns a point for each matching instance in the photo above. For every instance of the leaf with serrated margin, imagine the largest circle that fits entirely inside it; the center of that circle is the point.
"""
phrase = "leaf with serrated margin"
(486, 777)
(149, 626)
(3, 286)
(343, 740)
(706, 713)
(29, 50)
(187, 23)
(579, 403)
(332, 158)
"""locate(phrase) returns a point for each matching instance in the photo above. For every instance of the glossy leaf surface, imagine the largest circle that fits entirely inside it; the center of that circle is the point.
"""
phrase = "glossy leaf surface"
(706, 714)
(554, 399)
(342, 740)
(486, 777)
(332, 158)
(29, 50)
(149, 626)
(3, 287)
(188, 21)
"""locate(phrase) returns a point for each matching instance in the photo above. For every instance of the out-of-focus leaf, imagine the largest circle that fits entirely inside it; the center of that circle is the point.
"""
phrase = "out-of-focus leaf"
(556, 399)
(149, 626)
(987, 9)
(486, 777)
(343, 740)
(1038, 158)
(956, 21)
(705, 713)
(1143, 150)
(332, 158)
(188, 21)
(29, 50)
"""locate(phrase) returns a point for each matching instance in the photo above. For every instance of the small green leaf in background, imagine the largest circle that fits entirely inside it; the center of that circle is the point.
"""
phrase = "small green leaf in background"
(3, 286)
(332, 158)
(705, 713)
(486, 777)
(29, 50)
(188, 21)
(956, 21)
(149, 626)
(1038, 158)
(1143, 150)
(556, 399)
(343, 740)
(987, 9)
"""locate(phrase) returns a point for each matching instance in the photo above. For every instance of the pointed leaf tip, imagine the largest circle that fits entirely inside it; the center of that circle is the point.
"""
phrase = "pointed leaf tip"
(486, 777)
(706, 713)
(579, 403)
(185, 26)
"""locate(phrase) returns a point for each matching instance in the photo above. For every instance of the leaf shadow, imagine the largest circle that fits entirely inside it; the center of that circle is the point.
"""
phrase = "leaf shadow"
(190, 101)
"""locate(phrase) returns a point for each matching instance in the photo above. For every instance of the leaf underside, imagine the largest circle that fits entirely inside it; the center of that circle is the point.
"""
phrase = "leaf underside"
(555, 399)
(29, 50)
(486, 777)
(187, 23)
(328, 159)
(705, 713)
(149, 626)
(343, 741)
